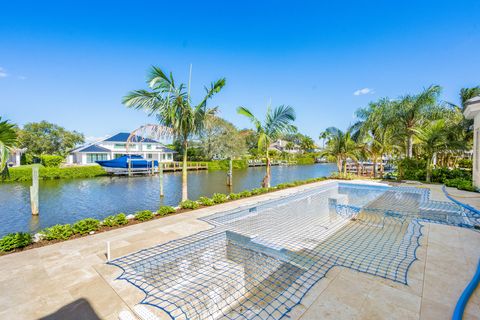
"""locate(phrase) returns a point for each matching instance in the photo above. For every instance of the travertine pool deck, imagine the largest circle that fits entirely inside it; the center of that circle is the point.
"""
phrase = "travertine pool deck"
(70, 280)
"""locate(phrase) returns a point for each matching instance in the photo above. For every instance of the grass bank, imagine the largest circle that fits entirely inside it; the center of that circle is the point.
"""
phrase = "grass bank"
(224, 164)
(24, 173)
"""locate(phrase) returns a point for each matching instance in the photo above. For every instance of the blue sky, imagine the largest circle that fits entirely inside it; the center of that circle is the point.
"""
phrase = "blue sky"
(71, 62)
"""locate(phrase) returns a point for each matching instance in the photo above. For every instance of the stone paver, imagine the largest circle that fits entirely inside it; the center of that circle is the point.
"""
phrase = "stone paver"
(65, 280)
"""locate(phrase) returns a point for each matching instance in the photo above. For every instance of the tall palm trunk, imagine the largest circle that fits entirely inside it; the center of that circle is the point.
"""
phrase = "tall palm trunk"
(429, 168)
(375, 158)
(339, 165)
(410, 146)
(184, 172)
(266, 180)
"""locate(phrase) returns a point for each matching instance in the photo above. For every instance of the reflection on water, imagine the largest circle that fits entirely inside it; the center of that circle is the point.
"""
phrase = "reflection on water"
(66, 201)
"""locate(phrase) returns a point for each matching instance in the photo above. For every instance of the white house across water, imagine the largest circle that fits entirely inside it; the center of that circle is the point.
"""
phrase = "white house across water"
(116, 146)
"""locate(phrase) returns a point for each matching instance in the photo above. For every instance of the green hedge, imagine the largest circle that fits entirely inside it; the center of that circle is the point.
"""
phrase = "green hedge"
(46, 173)
(224, 164)
(51, 161)
(461, 184)
(305, 159)
(413, 169)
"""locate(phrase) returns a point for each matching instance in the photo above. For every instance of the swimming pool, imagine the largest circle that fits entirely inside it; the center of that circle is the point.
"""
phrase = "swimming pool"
(259, 261)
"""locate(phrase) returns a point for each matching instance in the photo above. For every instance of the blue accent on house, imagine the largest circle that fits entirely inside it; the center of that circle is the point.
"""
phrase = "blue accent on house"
(94, 148)
(123, 137)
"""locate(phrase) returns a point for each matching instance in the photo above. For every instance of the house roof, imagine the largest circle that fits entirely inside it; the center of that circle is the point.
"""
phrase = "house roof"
(93, 148)
(123, 137)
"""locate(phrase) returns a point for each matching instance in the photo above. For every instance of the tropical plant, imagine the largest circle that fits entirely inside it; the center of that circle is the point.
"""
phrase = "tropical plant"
(164, 210)
(204, 201)
(340, 146)
(277, 122)
(440, 135)
(189, 204)
(171, 103)
(86, 226)
(117, 220)
(8, 139)
(307, 144)
(373, 131)
(57, 232)
(467, 94)
(143, 215)
(410, 112)
(16, 240)
(219, 198)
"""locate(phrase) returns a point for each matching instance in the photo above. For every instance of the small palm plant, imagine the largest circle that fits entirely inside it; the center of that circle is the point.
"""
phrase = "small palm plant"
(171, 104)
(277, 122)
(341, 147)
(8, 138)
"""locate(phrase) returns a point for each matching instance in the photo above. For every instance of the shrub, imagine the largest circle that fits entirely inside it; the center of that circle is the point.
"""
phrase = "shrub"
(166, 210)
(143, 215)
(24, 173)
(219, 197)
(118, 220)
(58, 232)
(15, 240)
(189, 204)
(258, 191)
(204, 201)
(51, 161)
(245, 194)
(234, 196)
(465, 163)
(285, 185)
(86, 225)
(461, 184)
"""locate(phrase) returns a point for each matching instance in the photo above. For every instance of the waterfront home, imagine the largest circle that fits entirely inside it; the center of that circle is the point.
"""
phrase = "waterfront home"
(282, 146)
(117, 146)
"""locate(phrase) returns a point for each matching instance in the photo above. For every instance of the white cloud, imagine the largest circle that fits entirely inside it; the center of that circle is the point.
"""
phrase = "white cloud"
(3, 73)
(363, 91)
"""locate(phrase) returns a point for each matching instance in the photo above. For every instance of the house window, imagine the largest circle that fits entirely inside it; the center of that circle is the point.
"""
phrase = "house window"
(92, 157)
(120, 146)
(149, 156)
(149, 146)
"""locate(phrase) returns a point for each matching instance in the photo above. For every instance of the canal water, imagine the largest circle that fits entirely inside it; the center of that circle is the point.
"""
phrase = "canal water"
(66, 201)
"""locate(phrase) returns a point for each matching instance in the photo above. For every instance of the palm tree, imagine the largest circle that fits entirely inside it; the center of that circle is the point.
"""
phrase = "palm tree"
(372, 131)
(171, 104)
(433, 138)
(8, 138)
(277, 122)
(467, 94)
(323, 136)
(340, 146)
(411, 111)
